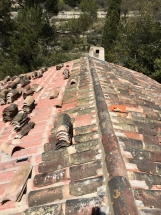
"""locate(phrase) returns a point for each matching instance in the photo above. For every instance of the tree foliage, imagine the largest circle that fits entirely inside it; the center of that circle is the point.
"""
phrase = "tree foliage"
(111, 26)
(30, 39)
(48, 5)
(72, 3)
(6, 23)
(90, 8)
(142, 43)
(138, 42)
(87, 18)
(31, 36)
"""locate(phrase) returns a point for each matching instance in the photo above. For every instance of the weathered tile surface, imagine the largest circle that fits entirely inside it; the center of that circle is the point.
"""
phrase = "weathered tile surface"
(135, 115)
(115, 151)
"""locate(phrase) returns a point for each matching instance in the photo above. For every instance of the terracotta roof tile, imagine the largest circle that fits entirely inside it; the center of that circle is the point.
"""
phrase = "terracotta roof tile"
(116, 117)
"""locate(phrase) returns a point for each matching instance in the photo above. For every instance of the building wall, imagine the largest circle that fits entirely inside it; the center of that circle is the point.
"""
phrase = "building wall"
(97, 52)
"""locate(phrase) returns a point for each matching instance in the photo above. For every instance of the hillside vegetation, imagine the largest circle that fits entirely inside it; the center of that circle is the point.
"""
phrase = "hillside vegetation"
(29, 40)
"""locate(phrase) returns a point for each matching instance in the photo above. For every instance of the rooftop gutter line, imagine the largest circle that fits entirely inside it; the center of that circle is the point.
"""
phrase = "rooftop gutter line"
(122, 199)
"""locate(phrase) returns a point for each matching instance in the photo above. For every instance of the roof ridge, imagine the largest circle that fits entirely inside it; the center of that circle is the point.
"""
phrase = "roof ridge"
(118, 183)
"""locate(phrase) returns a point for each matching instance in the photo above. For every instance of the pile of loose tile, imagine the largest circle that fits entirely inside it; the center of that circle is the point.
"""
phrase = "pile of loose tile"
(12, 84)
(36, 87)
(19, 120)
(3, 95)
(23, 82)
(66, 73)
(12, 96)
(9, 112)
(63, 131)
(10, 87)
(39, 73)
(27, 91)
(30, 90)
(59, 66)
(6, 79)
(28, 104)
(26, 88)
(25, 130)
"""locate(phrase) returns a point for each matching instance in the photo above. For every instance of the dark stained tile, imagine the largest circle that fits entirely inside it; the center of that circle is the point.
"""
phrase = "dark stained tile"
(151, 211)
(85, 170)
(84, 206)
(53, 165)
(141, 154)
(83, 157)
(149, 179)
(51, 209)
(131, 143)
(121, 196)
(67, 160)
(150, 198)
(145, 166)
(41, 197)
(45, 179)
(86, 186)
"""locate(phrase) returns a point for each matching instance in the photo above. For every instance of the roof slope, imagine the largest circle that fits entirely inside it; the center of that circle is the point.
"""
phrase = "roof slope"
(114, 163)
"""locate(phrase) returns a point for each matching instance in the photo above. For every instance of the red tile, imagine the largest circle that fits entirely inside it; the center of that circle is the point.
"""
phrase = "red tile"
(94, 129)
(6, 176)
(25, 152)
(135, 109)
(38, 159)
(8, 205)
(68, 106)
(35, 132)
(3, 188)
(35, 170)
(18, 214)
(7, 165)
(30, 143)
(3, 139)
(118, 108)
(35, 136)
(133, 135)
(7, 131)
(40, 123)
(68, 101)
(39, 117)
(83, 120)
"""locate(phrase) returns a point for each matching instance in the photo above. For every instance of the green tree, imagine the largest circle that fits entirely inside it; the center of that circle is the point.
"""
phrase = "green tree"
(61, 4)
(143, 44)
(86, 19)
(111, 26)
(76, 26)
(124, 7)
(138, 45)
(6, 23)
(48, 5)
(72, 3)
(30, 43)
(90, 8)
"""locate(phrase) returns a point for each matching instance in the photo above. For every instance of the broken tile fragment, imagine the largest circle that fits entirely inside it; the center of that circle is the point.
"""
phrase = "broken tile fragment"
(17, 183)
